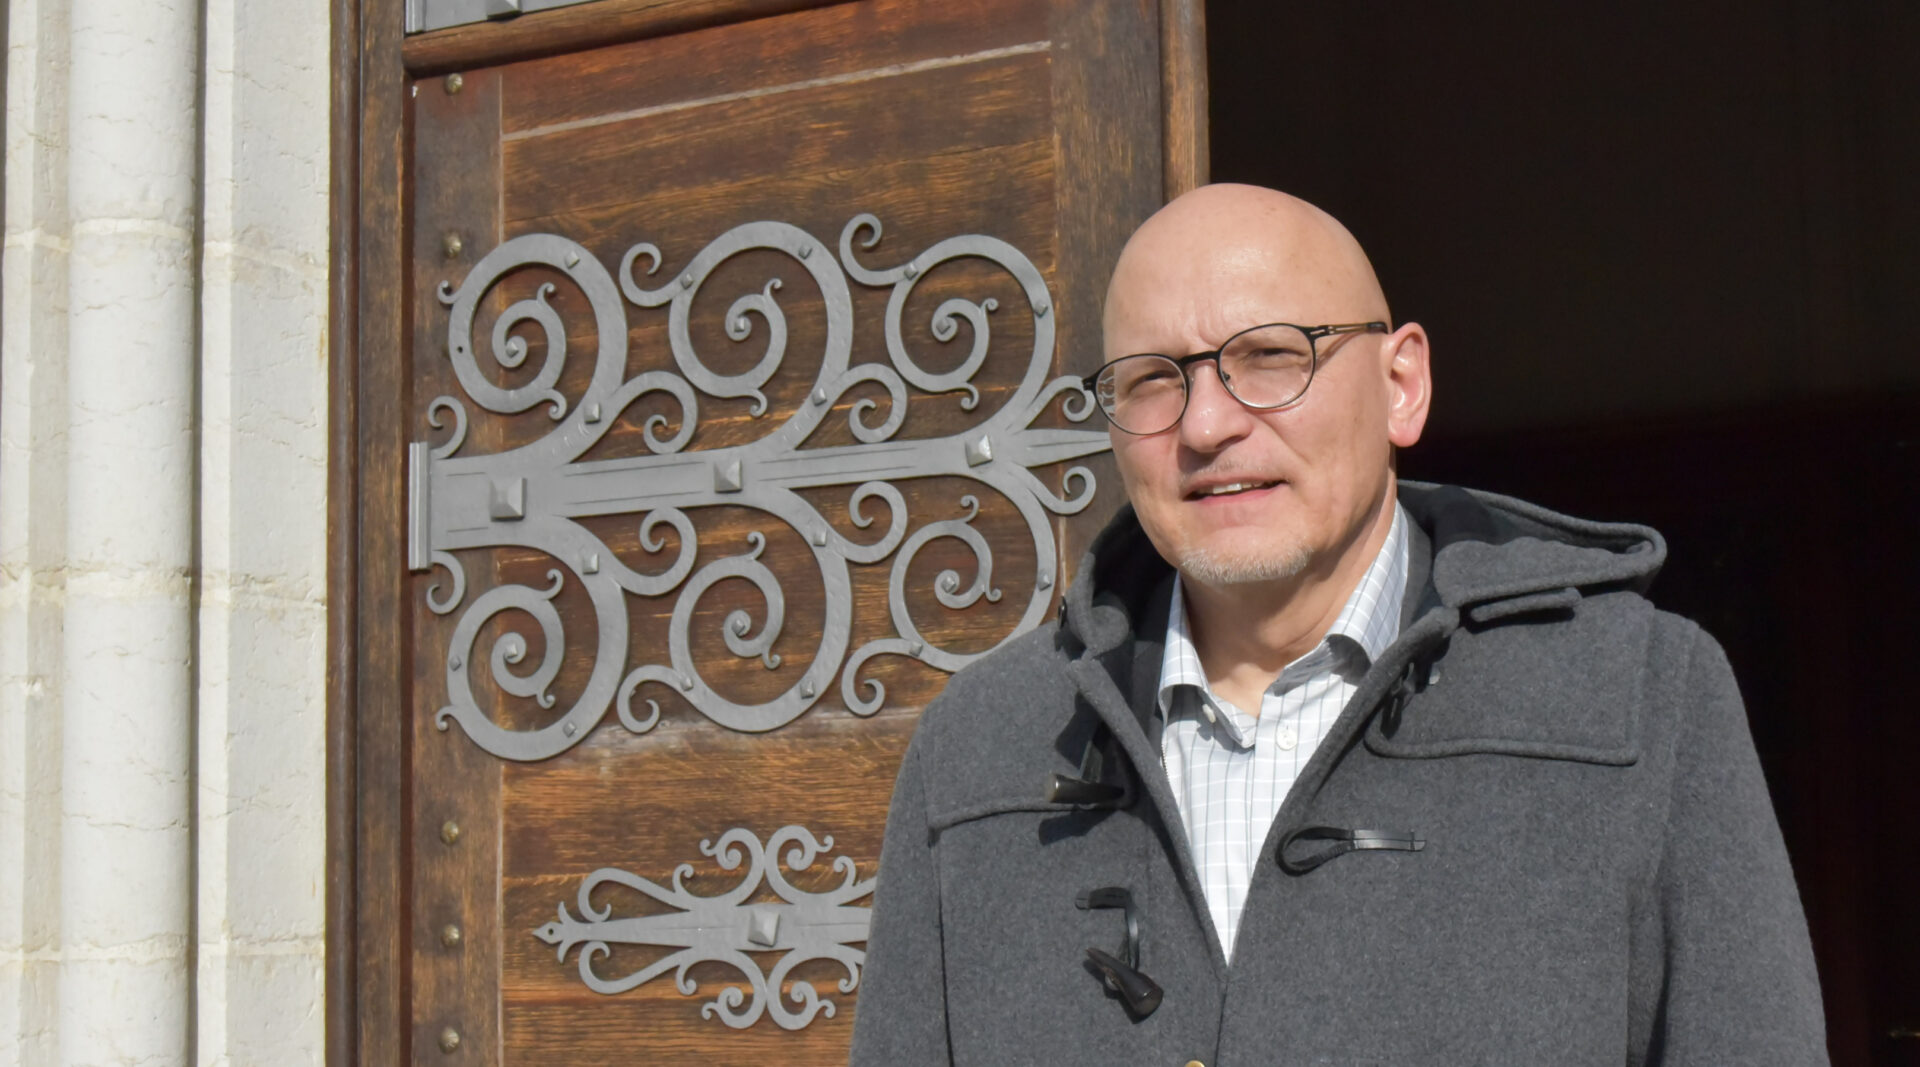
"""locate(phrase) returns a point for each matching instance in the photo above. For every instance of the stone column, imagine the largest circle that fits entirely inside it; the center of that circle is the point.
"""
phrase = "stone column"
(127, 683)
(261, 770)
(33, 528)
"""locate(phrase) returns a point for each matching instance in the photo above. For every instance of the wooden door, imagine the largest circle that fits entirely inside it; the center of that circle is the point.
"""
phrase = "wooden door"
(708, 396)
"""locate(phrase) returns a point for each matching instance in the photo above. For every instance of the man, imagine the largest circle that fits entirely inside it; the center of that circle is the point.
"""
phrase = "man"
(1318, 767)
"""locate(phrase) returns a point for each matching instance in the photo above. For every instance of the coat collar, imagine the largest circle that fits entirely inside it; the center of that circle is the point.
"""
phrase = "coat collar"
(1480, 554)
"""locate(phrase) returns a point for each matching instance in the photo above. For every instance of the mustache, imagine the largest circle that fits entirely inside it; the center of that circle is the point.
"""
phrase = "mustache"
(1230, 472)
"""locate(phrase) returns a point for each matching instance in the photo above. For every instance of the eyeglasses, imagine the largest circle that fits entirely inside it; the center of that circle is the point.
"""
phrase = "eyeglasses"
(1263, 367)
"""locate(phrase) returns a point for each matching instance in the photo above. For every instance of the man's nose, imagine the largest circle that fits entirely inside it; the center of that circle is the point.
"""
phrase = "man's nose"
(1214, 419)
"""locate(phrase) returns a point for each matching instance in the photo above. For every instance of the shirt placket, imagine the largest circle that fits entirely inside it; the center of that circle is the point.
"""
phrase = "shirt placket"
(1228, 793)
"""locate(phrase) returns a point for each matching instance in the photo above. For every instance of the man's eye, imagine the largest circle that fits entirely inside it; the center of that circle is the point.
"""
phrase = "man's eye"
(1260, 358)
(1152, 376)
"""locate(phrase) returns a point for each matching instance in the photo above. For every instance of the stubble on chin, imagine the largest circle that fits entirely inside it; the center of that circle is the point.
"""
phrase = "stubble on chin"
(1240, 566)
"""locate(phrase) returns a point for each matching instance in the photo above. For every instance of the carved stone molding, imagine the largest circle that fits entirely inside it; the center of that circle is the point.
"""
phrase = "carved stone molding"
(725, 927)
(534, 496)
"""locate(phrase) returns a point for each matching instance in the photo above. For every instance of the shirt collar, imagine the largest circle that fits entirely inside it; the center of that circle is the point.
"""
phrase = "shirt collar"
(1368, 623)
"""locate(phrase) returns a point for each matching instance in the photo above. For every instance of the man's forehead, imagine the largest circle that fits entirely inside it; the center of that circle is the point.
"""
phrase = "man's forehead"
(1225, 257)
(1218, 292)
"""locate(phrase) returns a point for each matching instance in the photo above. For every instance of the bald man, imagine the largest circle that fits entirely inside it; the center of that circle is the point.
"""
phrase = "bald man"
(1321, 767)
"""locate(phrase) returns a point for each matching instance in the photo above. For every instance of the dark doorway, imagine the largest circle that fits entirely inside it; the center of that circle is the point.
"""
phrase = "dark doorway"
(1666, 252)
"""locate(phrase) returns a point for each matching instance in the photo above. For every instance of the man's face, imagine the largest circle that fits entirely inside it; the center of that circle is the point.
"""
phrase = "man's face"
(1230, 494)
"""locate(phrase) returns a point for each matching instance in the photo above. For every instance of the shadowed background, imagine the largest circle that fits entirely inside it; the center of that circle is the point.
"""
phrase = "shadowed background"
(1665, 253)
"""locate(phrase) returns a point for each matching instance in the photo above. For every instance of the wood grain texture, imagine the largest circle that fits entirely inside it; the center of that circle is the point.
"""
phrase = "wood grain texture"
(829, 774)
(808, 131)
(343, 523)
(576, 28)
(829, 771)
(544, 1033)
(763, 57)
(1108, 116)
(1183, 88)
(918, 201)
(381, 871)
(456, 140)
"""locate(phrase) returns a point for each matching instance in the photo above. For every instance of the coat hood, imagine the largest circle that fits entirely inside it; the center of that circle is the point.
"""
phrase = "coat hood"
(1489, 556)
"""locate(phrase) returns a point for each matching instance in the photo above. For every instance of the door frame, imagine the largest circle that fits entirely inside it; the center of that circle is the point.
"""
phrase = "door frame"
(368, 665)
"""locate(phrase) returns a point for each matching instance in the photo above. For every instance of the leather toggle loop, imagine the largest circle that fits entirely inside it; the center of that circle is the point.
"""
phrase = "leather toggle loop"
(1066, 789)
(1339, 842)
(1090, 788)
(1121, 972)
(1140, 993)
(1395, 700)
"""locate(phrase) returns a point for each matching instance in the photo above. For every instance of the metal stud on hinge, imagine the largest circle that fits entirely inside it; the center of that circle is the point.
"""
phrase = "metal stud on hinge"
(507, 499)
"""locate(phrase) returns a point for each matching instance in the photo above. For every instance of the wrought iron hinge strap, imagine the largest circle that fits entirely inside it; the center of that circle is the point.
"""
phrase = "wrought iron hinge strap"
(534, 496)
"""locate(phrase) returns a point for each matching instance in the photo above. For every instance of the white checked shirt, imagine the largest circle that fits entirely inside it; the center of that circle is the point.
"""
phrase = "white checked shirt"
(1229, 770)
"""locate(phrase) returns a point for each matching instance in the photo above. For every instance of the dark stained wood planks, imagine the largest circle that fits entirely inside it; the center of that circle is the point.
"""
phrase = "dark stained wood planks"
(455, 977)
(1183, 81)
(768, 57)
(343, 539)
(377, 823)
(920, 113)
(670, 121)
(677, 787)
(1110, 125)
(575, 28)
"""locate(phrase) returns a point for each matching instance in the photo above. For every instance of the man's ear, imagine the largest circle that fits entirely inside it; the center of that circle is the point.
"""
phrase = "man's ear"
(1409, 383)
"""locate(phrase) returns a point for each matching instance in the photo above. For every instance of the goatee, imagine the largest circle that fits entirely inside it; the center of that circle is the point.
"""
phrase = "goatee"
(1266, 564)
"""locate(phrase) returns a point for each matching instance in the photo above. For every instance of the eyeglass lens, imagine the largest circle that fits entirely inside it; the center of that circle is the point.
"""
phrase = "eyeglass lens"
(1265, 367)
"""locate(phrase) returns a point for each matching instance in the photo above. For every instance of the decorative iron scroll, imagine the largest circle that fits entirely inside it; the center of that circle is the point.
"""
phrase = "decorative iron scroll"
(724, 928)
(533, 496)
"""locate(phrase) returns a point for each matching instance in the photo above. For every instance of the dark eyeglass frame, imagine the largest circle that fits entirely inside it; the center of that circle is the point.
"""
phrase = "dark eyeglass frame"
(1313, 335)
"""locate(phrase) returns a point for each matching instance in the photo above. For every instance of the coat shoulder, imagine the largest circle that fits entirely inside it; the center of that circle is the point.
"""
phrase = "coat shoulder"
(999, 728)
(1590, 680)
(1014, 688)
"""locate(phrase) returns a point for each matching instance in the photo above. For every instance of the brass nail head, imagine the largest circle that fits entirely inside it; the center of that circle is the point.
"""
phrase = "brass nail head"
(455, 83)
(449, 831)
(452, 245)
(449, 1039)
(450, 935)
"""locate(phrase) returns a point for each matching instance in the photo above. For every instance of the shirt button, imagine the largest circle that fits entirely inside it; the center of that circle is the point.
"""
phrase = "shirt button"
(1195, 1063)
(1288, 738)
(1208, 708)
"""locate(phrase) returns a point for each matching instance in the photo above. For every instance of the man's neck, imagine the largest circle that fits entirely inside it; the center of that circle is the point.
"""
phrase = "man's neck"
(1247, 633)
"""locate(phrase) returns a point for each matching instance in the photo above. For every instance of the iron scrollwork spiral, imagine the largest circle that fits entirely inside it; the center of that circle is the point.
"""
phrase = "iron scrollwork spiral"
(534, 496)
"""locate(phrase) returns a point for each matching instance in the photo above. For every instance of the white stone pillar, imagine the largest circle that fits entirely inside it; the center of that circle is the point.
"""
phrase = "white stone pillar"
(33, 528)
(261, 916)
(127, 683)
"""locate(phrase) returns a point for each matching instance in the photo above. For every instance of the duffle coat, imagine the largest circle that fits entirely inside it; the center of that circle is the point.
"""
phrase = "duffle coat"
(1538, 834)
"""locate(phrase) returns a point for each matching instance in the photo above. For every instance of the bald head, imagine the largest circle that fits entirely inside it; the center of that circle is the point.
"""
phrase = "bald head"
(1187, 269)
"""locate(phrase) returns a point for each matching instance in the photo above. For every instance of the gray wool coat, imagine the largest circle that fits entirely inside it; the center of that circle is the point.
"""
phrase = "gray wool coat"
(1599, 877)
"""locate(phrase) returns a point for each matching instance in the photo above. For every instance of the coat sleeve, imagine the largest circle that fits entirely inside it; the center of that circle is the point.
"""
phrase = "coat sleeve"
(900, 1018)
(1736, 967)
